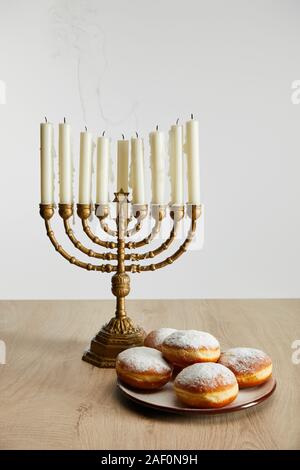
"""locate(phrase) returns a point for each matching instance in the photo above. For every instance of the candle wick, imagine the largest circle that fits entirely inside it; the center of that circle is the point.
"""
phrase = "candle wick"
(85, 128)
(177, 121)
(137, 135)
(157, 127)
(103, 133)
(192, 116)
(46, 120)
(64, 120)
(123, 136)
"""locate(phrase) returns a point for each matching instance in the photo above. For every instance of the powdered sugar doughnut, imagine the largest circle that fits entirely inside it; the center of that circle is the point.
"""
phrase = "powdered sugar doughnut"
(185, 347)
(157, 337)
(250, 366)
(207, 385)
(143, 368)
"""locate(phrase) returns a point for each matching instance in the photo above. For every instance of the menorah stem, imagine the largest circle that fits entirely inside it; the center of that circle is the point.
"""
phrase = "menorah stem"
(120, 332)
(120, 310)
(121, 256)
(120, 281)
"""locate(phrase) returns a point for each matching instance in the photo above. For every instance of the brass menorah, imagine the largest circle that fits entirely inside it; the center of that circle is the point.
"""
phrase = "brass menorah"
(120, 332)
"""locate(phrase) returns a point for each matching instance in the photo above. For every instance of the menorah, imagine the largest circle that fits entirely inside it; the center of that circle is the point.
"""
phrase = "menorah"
(121, 247)
(120, 332)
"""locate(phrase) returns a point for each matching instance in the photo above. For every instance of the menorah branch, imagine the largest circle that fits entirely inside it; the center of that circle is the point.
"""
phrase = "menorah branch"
(140, 212)
(47, 212)
(158, 213)
(102, 213)
(177, 215)
(66, 212)
(84, 213)
(87, 251)
(70, 258)
(195, 214)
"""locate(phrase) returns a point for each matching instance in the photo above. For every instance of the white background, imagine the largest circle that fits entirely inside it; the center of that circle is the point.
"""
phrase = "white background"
(128, 65)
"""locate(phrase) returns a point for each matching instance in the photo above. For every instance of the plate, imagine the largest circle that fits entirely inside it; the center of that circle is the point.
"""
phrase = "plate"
(166, 400)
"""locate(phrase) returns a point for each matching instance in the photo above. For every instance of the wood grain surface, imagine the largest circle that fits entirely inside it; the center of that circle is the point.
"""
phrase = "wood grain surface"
(50, 399)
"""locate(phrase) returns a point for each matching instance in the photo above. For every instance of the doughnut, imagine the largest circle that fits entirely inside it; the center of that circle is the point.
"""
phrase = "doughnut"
(143, 368)
(206, 385)
(156, 337)
(185, 347)
(251, 366)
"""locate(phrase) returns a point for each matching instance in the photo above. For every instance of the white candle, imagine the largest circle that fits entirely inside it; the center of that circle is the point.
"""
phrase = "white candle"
(137, 171)
(176, 164)
(122, 165)
(85, 171)
(192, 152)
(158, 152)
(103, 152)
(65, 165)
(47, 164)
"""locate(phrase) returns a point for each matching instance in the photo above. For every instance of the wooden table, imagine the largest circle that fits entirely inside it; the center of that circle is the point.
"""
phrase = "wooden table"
(50, 399)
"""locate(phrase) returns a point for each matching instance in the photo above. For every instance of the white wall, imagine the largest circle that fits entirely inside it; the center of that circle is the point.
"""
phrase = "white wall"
(126, 65)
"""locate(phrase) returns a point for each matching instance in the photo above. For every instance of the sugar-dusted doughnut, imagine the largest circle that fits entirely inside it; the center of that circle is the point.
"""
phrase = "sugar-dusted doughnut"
(185, 347)
(206, 385)
(156, 337)
(250, 366)
(143, 368)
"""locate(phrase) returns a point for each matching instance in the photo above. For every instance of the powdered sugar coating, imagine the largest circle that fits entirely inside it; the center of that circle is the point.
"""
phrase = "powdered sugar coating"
(244, 360)
(156, 337)
(143, 359)
(206, 375)
(192, 339)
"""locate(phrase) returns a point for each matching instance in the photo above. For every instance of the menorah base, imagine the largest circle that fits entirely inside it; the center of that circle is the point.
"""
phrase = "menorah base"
(117, 335)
